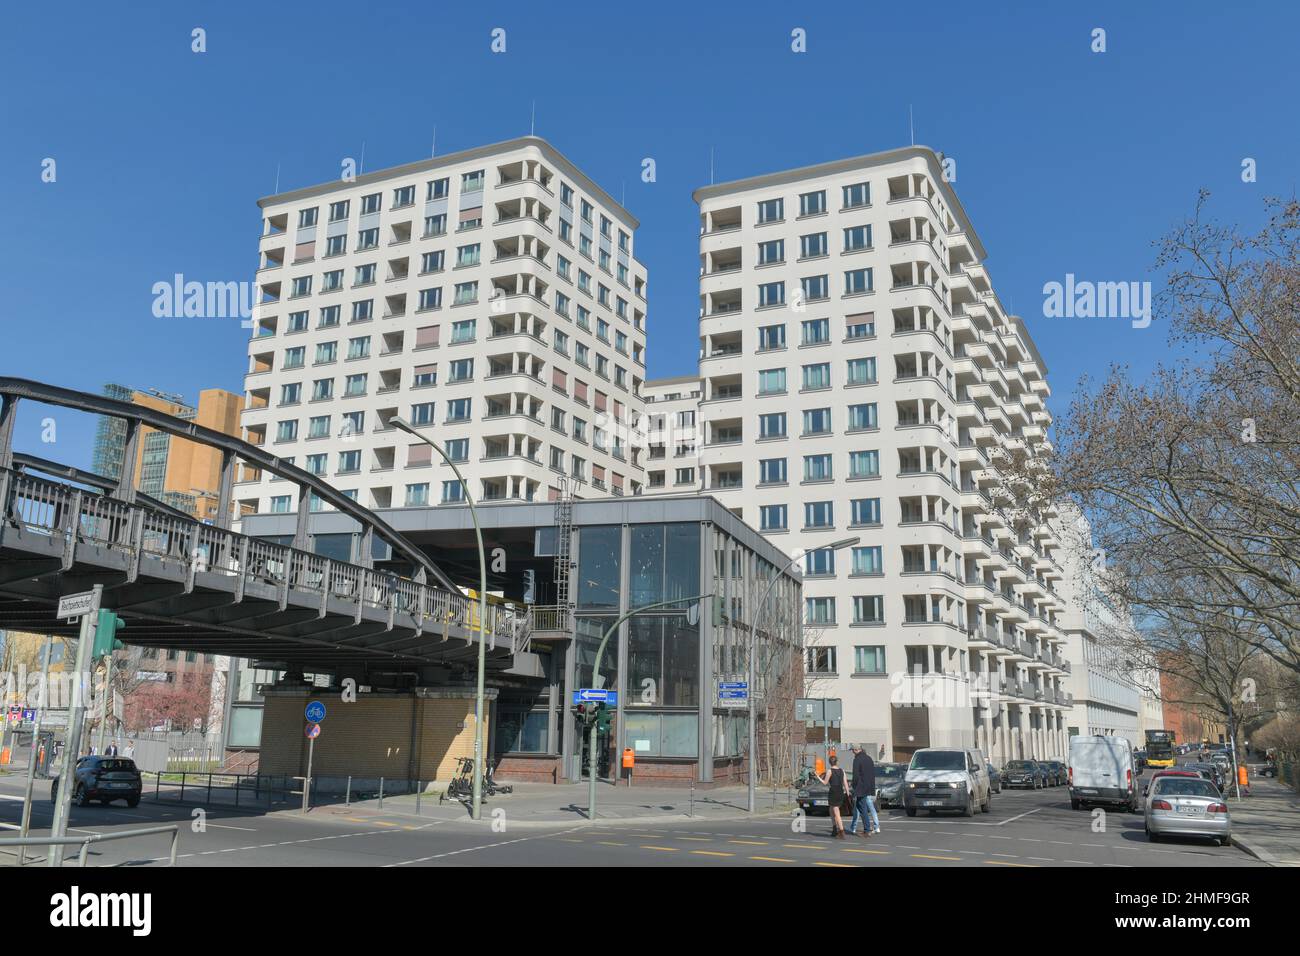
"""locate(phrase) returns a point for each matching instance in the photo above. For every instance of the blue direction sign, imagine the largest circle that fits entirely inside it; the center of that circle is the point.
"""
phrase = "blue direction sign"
(733, 685)
(315, 712)
(733, 694)
(589, 696)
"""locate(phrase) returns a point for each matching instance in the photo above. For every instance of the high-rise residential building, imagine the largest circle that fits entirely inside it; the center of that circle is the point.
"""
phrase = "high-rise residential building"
(490, 297)
(672, 434)
(183, 474)
(857, 370)
(1106, 680)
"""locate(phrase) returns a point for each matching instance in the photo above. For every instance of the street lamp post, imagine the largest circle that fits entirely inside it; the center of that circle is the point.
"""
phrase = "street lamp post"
(753, 631)
(476, 805)
(592, 762)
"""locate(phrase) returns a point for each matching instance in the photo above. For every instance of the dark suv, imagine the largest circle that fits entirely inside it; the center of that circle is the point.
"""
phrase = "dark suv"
(1024, 773)
(104, 779)
(1057, 774)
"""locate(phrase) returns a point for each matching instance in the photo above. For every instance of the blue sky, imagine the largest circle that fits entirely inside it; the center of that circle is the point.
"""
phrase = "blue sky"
(1067, 160)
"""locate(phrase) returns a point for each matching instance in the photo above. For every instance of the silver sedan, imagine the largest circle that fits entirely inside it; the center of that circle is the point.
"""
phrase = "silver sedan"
(1187, 806)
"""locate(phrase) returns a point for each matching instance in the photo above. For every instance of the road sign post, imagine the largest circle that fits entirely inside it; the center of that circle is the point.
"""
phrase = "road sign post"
(89, 612)
(313, 731)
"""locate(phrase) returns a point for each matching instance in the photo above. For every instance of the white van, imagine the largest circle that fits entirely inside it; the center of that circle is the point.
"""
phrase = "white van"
(1102, 772)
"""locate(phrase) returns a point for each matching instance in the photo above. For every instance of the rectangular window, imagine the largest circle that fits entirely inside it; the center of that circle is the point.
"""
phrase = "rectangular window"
(771, 337)
(316, 463)
(771, 381)
(771, 471)
(281, 505)
(866, 560)
(816, 377)
(359, 348)
(430, 299)
(771, 210)
(866, 511)
(452, 492)
(461, 370)
(869, 609)
(422, 414)
(812, 245)
(458, 410)
(772, 425)
(772, 518)
(771, 252)
(860, 326)
(857, 238)
(403, 196)
(417, 496)
(816, 331)
(817, 468)
(814, 288)
(821, 610)
(819, 563)
(812, 204)
(817, 421)
(861, 371)
(458, 449)
(463, 331)
(819, 514)
(349, 462)
(297, 322)
(294, 357)
(867, 660)
(319, 427)
(370, 204)
(771, 293)
(864, 464)
(863, 417)
(859, 194)
(857, 281)
(356, 385)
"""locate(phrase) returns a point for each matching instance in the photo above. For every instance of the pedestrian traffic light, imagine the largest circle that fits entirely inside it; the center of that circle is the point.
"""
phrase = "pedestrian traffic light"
(106, 628)
(582, 714)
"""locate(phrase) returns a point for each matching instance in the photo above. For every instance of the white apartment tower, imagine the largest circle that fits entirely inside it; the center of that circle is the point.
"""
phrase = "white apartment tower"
(491, 297)
(856, 369)
(672, 435)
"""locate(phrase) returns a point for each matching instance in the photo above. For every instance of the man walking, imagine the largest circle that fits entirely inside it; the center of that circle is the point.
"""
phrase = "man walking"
(864, 792)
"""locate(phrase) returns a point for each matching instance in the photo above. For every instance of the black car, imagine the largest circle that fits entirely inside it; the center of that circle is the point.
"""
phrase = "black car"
(1139, 758)
(1028, 774)
(1057, 774)
(995, 778)
(104, 779)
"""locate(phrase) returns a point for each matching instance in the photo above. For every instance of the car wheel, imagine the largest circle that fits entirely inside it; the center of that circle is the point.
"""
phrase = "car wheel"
(987, 805)
(133, 802)
(970, 806)
(80, 797)
(911, 811)
(1074, 804)
(1226, 841)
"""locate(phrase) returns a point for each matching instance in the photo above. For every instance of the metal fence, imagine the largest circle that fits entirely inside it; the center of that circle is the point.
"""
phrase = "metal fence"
(17, 846)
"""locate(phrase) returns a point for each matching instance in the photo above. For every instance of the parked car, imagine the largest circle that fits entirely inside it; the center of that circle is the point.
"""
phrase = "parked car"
(1209, 771)
(995, 777)
(947, 778)
(1028, 774)
(1057, 773)
(1101, 771)
(104, 779)
(1146, 784)
(889, 784)
(1140, 758)
(1186, 806)
(1223, 760)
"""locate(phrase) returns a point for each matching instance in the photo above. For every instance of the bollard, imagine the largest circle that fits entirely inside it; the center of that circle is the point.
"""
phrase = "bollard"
(381, 793)
(347, 794)
(209, 789)
(418, 791)
(692, 813)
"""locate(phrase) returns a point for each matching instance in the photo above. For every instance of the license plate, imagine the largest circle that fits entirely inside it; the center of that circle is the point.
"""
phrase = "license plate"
(1088, 791)
(819, 803)
(1190, 811)
(932, 803)
(119, 786)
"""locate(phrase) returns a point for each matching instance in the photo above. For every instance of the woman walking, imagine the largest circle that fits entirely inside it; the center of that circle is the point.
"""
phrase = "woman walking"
(834, 779)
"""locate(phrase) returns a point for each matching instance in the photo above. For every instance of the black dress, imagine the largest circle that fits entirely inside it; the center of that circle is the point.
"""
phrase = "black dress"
(837, 788)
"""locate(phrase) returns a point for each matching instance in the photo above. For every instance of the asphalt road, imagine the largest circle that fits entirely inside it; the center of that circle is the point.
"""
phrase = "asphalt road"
(1024, 829)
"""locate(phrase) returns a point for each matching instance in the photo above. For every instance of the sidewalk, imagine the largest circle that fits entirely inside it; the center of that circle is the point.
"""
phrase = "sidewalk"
(548, 804)
(1266, 824)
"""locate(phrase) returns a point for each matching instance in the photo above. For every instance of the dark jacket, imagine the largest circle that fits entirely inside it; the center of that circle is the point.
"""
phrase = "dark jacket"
(864, 775)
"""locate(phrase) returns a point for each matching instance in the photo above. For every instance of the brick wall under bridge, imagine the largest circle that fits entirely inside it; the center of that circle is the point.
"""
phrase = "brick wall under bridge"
(399, 735)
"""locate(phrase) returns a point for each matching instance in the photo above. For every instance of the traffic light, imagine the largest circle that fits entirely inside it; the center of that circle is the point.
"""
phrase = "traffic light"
(719, 611)
(604, 718)
(106, 628)
(582, 714)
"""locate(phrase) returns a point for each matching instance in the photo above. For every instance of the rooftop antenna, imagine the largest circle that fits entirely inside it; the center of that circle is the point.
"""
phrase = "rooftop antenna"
(433, 150)
(911, 130)
(711, 179)
(532, 121)
(363, 157)
(623, 201)
(277, 179)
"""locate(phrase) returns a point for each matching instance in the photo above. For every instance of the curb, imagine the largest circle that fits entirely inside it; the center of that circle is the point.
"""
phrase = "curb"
(1257, 852)
(577, 820)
